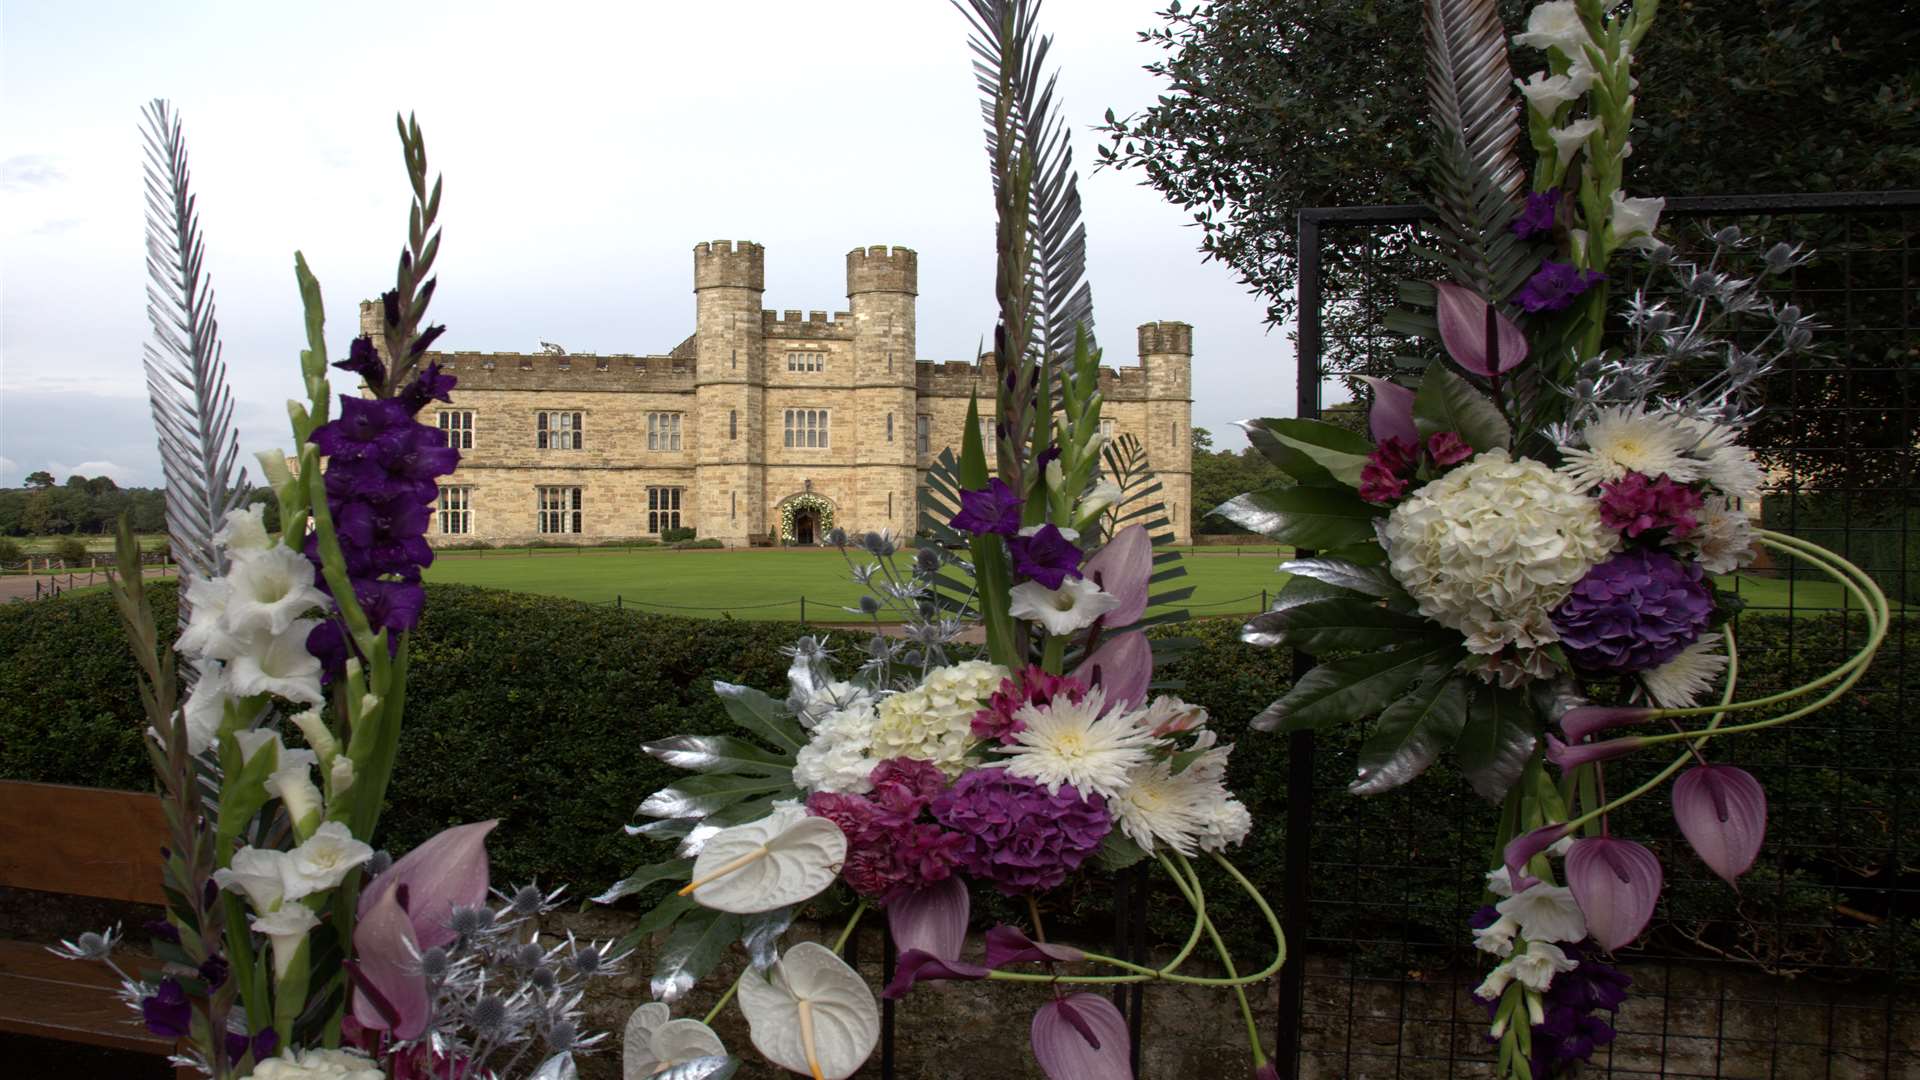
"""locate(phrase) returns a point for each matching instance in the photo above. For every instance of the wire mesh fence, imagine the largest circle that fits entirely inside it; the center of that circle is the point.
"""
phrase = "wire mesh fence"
(1809, 968)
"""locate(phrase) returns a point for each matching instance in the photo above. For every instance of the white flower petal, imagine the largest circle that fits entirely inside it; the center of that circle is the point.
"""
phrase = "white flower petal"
(270, 589)
(1545, 913)
(1072, 606)
(778, 860)
(815, 1010)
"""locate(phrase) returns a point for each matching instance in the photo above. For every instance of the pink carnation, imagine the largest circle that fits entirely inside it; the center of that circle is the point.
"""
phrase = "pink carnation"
(1634, 505)
(1034, 687)
(1447, 448)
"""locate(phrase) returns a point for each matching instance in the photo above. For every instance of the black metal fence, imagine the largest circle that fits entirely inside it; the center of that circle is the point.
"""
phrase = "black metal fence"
(1811, 968)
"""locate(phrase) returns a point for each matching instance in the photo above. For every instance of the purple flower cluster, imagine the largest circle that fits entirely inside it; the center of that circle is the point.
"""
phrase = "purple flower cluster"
(1634, 505)
(1554, 285)
(1633, 612)
(890, 847)
(994, 509)
(1047, 556)
(1571, 1029)
(1017, 836)
(1396, 461)
(382, 475)
(1543, 210)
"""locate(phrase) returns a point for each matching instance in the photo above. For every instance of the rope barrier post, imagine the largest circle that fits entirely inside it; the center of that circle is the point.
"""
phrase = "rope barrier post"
(803, 610)
(616, 602)
(1263, 599)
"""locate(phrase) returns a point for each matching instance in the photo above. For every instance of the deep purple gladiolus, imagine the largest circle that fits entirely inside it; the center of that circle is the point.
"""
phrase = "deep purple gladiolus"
(995, 509)
(1554, 285)
(1543, 208)
(1047, 556)
(167, 1012)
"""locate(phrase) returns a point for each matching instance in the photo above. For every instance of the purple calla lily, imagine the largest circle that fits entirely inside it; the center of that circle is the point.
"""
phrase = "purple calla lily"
(449, 870)
(1570, 756)
(1722, 811)
(1008, 945)
(1122, 667)
(1463, 329)
(1121, 569)
(1521, 850)
(390, 993)
(1391, 416)
(1082, 1037)
(1587, 719)
(930, 928)
(1616, 883)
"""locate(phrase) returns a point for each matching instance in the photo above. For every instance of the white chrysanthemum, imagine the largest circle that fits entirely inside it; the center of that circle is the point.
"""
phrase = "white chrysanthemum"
(1174, 808)
(836, 757)
(1072, 606)
(1068, 743)
(1623, 439)
(1545, 913)
(1679, 682)
(1722, 537)
(1168, 715)
(1724, 462)
(934, 721)
(1493, 546)
(1227, 824)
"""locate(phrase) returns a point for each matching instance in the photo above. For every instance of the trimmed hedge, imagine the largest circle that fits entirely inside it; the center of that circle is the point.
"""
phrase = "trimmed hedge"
(532, 709)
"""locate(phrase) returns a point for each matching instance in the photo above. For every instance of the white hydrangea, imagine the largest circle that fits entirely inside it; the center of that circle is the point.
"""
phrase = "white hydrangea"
(318, 1065)
(1493, 546)
(934, 721)
(835, 759)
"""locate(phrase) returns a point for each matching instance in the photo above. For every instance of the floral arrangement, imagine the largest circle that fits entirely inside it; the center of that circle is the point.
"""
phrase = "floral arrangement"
(292, 948)
(789, 510)
(1539, 523)
(922, 775)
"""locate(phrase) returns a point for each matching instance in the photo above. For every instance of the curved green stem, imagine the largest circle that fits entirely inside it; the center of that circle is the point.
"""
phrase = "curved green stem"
(1226, 958)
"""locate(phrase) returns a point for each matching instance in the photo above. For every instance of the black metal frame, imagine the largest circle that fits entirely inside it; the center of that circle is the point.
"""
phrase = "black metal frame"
(1301, 818)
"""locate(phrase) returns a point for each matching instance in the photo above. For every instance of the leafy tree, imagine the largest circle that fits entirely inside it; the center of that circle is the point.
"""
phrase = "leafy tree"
(11, 554)
(72, 551)
(1202, 440)
(1274, 105)
(1219, 475)
(100, 485)
(40, 479)
(271, 517)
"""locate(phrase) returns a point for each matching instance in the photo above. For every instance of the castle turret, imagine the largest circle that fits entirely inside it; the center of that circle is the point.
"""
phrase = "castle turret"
(729, 426)
(882, 284)
(1166, 355)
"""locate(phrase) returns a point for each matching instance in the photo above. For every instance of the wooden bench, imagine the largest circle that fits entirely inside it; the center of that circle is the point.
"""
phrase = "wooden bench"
(79, 842)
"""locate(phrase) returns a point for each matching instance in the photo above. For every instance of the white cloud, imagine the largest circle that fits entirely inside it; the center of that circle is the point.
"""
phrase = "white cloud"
(8, 467)
(119, 474)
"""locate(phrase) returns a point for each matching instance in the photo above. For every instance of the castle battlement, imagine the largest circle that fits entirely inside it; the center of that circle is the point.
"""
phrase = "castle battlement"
(566, 371)
(719, 264)
(789, 324)
(883, 269)
(1166, 337)
(958, 378)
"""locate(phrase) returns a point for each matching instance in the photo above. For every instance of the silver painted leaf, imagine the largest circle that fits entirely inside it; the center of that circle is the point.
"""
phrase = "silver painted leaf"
(758, 714)
(1478, 178)
(557, 1067)
(719, 753)
(1366, 580)
(1412, 732)
(699, 939)
(672, 870)
(706, 793)
(718, 1067)
(664, 829)
(761, 937)
(810, 673)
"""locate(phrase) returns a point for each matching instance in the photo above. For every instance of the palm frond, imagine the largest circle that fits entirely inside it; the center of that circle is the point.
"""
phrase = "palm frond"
(953, 586)
(1140, 504)
(186, 380)
(1479, 179)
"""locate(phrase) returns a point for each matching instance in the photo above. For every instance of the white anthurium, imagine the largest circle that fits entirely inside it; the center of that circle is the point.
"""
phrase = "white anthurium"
(270, 589)
(278, 664)
(206, 631)
(783, 858)
(258, 873)
(1568, 140)
(287, 927)
(1072, 606)
(323, 860)
(655, 1042)
(1633, 220)
(1545, 913)
(815, 1015)
(245, 530)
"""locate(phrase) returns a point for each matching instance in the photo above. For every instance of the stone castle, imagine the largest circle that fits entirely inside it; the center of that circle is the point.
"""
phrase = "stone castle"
(761, 425)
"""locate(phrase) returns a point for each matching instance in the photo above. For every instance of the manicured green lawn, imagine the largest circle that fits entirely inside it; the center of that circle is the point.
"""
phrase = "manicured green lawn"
(99, 545)
(768, 584)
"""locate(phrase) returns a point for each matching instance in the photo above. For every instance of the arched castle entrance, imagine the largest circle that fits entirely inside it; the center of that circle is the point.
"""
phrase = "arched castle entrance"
(805, 518)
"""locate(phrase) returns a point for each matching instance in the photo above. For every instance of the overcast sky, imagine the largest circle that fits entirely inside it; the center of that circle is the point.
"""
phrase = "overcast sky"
(586, 148)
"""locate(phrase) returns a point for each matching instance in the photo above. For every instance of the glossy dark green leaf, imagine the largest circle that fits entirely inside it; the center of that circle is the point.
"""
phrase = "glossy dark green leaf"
(1354, 687)
(1367, 580)
(1341, 625)
(758, 714)
(1412, 732)
(678, 870)
(699, 940)
(1303, 516)
(699, 796)
(1447, 402)
(1340, 452)
(1497, 741)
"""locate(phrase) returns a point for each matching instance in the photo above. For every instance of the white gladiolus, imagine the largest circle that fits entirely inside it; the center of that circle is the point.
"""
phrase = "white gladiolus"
(292, 784)
(269, 589)
(1568, 140)
(1545, 913)
(1632, 221)
(1498, 937)
(313, 728)
(245, 530)
(1072, 606)
(1536, 967)
(206, 706)
(278, 664)
(206, 631)
(288, 928)
(257, 872)
(1546, 93)
(252, 742)
(318, 1065)
(1556, 25)
(323, 860)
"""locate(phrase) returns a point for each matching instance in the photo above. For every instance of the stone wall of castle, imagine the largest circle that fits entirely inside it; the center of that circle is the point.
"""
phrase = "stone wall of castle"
(700, 436)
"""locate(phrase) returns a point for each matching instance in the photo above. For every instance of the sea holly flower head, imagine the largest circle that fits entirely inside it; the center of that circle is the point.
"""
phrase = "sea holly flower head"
(994, 509)
(1554, 286)
(1047, 556)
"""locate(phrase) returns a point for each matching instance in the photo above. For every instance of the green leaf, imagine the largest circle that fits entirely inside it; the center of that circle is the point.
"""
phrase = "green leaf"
(1117, 852)
(1345, 625)
(1286, 457)
(758, 714)
(1346, 574)
(1303, 516)
(671, 870)
(1355, 686)
(1447, 402)
(1412, 732)
(1497, 741)
(1340, 452)
(699, 796)
(719, 753)
(691, 951)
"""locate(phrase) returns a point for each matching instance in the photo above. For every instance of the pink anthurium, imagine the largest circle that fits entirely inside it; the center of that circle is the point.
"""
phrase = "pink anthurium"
(389, 993)
(1581, 722)
(1616, 883)
(1082, 1037)
(930, 928)
(1722, 811)
(1007, 945)
(1122, 667)
(449, 870)
(1463, 329)
(1121, 569)
(1521, 850)
(1391, 416)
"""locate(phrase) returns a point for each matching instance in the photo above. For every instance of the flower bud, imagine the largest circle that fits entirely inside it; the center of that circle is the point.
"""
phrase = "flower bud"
(313, 728)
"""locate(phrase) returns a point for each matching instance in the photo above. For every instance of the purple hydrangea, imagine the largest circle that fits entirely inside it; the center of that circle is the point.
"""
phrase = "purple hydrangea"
(1017, 836)
(994, 509)
(1047, 556)
(1634, 612)
(1554, 285)
(1543, 208)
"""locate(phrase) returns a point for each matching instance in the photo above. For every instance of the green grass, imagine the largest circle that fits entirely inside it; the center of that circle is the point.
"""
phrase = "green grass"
(767, 584)
(98, 545)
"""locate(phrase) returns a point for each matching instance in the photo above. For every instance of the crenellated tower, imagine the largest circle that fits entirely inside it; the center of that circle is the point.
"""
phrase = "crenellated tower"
(728, 427)
(882, 285)
(1166, 356)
